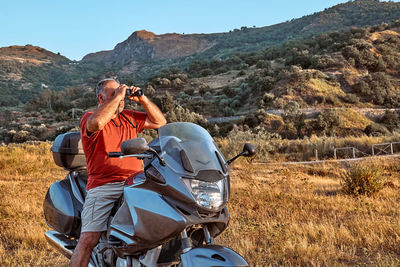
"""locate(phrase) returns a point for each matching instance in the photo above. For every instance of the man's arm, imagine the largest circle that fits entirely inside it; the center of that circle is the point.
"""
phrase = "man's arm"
(155, 119)
(105, 112)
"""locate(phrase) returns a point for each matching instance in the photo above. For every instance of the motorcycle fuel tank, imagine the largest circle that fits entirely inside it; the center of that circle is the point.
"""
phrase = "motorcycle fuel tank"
(145, 220)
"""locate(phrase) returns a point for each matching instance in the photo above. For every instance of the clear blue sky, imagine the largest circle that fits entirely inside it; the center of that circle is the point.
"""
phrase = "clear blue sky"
(76, 28)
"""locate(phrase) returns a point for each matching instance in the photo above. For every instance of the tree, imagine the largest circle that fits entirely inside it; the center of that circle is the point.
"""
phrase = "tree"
(328, 121)
(293, 115)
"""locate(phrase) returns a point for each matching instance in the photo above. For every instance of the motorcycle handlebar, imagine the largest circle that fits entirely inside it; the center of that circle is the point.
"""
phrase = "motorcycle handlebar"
(115, 154)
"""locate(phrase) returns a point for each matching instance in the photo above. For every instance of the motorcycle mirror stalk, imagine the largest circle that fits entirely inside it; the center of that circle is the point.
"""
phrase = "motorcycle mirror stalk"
(139, 146)
(248, 151)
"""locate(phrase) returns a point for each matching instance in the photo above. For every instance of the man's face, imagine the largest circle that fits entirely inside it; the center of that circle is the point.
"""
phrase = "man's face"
(109, 92)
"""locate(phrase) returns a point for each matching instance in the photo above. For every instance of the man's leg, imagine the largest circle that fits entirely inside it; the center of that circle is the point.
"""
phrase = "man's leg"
(96, 210)
(82, 252)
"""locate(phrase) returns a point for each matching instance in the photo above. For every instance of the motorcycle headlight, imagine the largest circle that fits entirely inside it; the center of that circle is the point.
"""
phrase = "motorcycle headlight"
(209, 195)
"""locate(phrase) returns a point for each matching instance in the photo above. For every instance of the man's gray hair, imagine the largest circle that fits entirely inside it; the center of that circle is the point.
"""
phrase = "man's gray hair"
(100, 85)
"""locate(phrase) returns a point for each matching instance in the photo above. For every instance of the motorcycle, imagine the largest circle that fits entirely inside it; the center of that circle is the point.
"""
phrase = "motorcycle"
(168, 215)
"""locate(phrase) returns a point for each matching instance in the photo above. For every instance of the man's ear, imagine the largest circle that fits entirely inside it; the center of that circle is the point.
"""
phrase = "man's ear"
(100, 98)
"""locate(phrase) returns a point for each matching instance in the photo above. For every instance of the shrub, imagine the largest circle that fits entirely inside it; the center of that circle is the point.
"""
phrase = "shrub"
(228, 91)
(206, 72)
(263, 64)
(328, 121)
(203, 88)
(351, 98)
(177, 83)
(260, 81)
(189, 91)
(362, 179)
(167, 102)
(21, 136)
(228, 111)
(163, 82)
(376, 129)
(293, 115)
(241, 73)
(377, 88)
(150, 91)
(181, 114)
(391, 120)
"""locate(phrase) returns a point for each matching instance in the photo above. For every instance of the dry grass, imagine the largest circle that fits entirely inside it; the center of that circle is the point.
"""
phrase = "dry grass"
(322, 87)
(300, 149)
(26, 172)
(352, 119)
(298, 215)
(280, 215)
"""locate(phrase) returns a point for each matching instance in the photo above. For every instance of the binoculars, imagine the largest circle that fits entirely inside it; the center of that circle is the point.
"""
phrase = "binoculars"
(129, 92)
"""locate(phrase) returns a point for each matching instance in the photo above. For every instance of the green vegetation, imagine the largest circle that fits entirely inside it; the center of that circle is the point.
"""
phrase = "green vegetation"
(313, 86)
(353, 13)
(28, 70)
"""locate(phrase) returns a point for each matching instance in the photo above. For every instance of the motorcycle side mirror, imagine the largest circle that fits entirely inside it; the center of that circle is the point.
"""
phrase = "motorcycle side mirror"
(134, 146)
(248, 151)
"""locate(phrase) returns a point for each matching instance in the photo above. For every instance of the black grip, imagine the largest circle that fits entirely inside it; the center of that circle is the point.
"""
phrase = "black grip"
(115, 154)
(137, 93)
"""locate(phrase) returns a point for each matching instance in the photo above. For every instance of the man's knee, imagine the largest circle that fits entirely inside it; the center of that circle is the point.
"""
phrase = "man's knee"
(89, 239)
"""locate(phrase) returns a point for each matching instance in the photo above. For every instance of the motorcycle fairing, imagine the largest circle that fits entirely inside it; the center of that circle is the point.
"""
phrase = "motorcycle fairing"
(212, 255)
(145, 220)
(188, 148)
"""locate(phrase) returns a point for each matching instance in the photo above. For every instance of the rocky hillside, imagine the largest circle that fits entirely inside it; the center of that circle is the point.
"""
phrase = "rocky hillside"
(342, 83)
(25, 71)
(143, 48)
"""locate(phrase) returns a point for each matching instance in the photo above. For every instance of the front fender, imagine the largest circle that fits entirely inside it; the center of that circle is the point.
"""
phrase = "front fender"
(212, 255)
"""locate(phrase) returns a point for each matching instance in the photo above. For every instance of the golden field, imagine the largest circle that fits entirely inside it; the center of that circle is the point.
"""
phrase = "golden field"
(280, 214)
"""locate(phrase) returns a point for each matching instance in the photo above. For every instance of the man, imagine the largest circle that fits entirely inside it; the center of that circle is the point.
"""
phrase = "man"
(103, 131)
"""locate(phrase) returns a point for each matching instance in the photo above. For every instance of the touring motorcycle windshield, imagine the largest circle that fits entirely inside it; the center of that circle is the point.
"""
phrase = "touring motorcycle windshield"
(188, 148)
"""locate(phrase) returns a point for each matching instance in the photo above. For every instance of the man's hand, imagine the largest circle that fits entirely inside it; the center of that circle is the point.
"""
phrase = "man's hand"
(121, 91)
(137, 99)
(155, 119)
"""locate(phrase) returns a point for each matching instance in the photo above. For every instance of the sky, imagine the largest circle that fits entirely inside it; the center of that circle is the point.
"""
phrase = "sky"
(75, 28)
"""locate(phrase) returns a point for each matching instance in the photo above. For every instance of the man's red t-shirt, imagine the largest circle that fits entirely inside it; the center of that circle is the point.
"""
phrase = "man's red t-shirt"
(102, 169)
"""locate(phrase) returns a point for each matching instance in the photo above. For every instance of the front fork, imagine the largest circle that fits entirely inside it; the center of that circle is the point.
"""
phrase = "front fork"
(187, 242)
(209, 254)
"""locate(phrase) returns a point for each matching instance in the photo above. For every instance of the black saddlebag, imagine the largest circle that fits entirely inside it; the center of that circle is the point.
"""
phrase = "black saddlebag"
(62, 210)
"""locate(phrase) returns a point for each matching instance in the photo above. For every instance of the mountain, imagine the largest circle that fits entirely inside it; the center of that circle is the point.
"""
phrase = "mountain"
(144, 45)
(144, 48)
(26, 70)
(299, 87)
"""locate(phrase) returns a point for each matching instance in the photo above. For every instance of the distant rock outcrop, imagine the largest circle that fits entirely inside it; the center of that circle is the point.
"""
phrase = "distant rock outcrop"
(144, 46)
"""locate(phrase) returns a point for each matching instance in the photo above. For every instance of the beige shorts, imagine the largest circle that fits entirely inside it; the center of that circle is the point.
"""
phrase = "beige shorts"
(98, 204)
